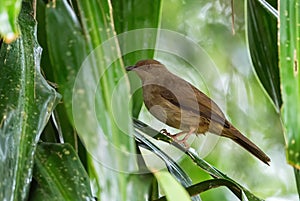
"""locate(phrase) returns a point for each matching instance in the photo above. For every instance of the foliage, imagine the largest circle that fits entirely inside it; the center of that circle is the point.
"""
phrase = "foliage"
(289, 66)
(89, 149)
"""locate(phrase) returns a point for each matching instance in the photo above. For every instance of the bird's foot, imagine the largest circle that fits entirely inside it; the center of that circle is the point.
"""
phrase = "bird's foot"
(165, 132)
(182, 141)
(175, 137)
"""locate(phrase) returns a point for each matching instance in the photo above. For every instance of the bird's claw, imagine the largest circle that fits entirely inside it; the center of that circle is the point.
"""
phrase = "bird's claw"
(165, 132)
(174, 137)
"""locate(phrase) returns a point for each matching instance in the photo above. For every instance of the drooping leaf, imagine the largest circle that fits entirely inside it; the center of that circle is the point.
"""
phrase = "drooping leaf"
(26, 102)
(210, 184)
(172, 166)
(262, 42)
(214, 172)
(60, 174)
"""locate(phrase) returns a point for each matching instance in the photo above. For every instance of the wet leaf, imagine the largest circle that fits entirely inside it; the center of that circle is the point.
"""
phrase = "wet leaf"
(26, 102)
(59, 174)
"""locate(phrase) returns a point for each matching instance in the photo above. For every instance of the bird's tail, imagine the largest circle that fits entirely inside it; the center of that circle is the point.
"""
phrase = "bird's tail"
(239, 138)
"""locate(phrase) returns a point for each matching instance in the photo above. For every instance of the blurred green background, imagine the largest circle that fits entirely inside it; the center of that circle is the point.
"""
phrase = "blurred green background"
(246, 104)
(210, 50)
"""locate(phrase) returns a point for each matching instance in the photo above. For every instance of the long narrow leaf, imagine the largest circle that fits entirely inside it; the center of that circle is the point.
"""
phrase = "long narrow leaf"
(88, 83)
(172, 166)
(67, 181)
(26, 102)
(105, 94)
(214, 172)
(262, 42)
(128, 16)
(210, 184)
(289, 34)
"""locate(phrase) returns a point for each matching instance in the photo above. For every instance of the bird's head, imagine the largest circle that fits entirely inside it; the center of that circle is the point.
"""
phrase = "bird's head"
(147, 69)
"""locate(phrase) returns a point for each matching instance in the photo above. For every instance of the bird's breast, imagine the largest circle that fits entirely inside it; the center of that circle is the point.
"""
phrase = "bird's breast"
(171, 114)
(160, 107)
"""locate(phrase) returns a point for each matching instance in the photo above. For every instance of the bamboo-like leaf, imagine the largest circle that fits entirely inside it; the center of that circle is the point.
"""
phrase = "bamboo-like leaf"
(99, 115)
(210, 184)
(289, 32)
(67, 55)
(68, 132)
(26, 102)
(262, 42)
(135, 19)
(172, 166)
(9, 12)
(67, 181)
(112, 127)
(149, 18)
(214, 172)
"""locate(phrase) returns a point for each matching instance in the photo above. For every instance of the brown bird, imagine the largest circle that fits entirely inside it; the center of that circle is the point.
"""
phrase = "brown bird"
(179, 104)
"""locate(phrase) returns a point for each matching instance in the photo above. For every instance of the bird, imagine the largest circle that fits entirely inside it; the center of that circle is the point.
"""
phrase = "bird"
(180, 105)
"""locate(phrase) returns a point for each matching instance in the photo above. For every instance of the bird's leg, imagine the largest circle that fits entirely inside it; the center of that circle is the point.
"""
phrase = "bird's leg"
(188, 134)
(175, 136)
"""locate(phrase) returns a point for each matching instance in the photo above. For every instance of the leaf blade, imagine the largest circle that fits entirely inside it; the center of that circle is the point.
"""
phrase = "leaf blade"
(60, 174)
(290, 80)
(25, 107)
(262, 41)
(173, 190)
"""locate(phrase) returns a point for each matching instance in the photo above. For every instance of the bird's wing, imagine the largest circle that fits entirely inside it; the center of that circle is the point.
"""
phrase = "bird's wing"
(189, 98)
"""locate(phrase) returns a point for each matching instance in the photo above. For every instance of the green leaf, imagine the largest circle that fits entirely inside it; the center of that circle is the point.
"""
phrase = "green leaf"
(210, 184)
(26, 102)
(138, 186)
(67, 132)
(94, 90)
(135, 19)
(172, 166)
(214, 172)
(104, 94)
(171, 188)
(262, 42)
(289, 50)
(9, 12)
(130, 10)
(60, 174)
(67, 55)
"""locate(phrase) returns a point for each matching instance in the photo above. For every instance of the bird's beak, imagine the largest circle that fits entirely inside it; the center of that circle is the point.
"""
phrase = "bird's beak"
(130, 68)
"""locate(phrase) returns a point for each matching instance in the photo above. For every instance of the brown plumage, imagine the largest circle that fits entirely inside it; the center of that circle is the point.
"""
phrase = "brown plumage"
(179, 104)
